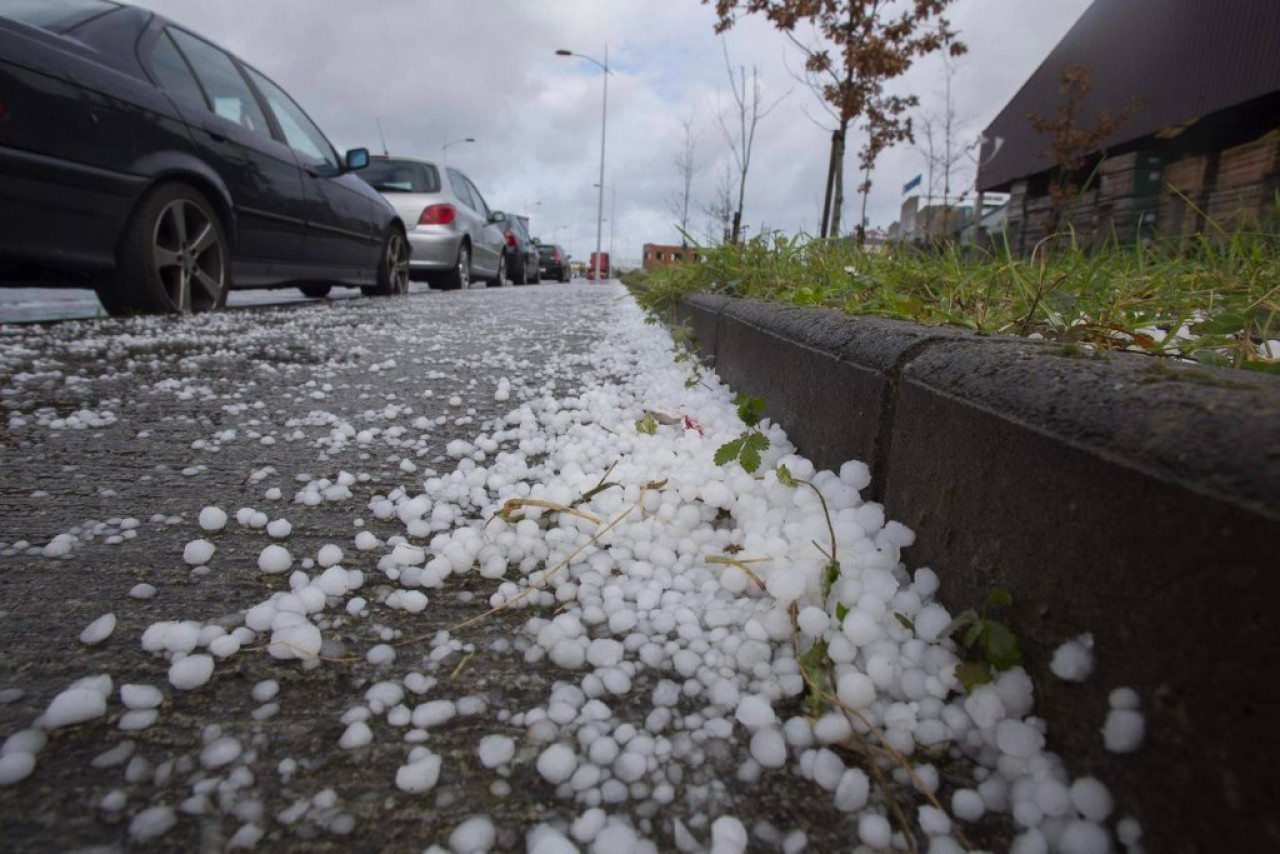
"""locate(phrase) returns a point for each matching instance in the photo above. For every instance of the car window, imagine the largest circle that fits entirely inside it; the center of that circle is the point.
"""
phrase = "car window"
(300, 133)
(546, 251)
(401, 176)
(460, 189)
(230, 95)
(173, 72)
(480, 206)
(54, 17)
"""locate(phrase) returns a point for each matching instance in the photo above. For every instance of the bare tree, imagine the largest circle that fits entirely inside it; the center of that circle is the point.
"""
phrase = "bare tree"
(719, 209)
(686, 166)
(942, 148)
(741, 137)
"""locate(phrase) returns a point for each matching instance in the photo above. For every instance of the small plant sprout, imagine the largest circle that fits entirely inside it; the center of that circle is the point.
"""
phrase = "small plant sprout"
(814, 662)
(989, 645)
(685, 346)
(747, 448)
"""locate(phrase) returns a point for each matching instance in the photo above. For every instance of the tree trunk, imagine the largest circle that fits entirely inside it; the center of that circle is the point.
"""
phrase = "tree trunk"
(838, 202)
(862, 220)
(832, 165)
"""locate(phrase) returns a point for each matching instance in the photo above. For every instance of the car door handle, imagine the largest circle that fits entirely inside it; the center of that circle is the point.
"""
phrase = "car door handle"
(215, 135)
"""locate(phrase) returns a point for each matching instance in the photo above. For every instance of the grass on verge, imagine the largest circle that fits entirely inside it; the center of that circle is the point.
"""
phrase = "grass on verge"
(1214, 299)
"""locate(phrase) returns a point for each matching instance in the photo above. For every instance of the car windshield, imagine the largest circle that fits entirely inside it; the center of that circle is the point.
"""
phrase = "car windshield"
(56, 16)
(546, 251)
(401, 176)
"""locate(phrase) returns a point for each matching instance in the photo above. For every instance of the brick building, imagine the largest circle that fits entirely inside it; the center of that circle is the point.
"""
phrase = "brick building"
(660, 255)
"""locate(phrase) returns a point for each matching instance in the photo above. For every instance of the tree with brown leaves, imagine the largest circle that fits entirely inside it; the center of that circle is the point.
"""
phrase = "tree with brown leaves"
(1070, 141)
(859, 46)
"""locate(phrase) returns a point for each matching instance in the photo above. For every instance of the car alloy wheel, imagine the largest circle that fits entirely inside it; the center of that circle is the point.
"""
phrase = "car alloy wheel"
(396, 261)
(189, 257)
(464, 267)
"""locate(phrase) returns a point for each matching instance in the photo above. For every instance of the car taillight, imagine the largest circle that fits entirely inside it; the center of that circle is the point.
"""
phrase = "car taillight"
(555, 254)
(511, 238)
(438, 215)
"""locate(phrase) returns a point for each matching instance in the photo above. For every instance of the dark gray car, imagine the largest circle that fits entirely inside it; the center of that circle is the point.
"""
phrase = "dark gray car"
(140, 159)
(523, 267)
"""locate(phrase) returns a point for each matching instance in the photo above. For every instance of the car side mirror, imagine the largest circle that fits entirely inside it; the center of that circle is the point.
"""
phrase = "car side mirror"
(497, 216)
(357, 158)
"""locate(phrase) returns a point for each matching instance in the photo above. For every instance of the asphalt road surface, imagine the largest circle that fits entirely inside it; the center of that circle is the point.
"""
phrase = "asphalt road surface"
(118, 432)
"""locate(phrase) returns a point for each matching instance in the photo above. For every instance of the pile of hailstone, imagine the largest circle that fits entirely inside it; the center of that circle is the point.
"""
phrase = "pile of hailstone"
(642, 599)
(635, 601)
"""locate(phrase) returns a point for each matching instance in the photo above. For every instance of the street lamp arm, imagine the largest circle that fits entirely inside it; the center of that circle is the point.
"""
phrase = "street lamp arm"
(604, 119)
(602, 65)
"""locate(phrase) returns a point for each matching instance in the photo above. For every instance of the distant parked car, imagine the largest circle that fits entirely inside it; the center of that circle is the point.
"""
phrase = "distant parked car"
(454, 236)
(555, 263)
(164, 171)
(522, 253)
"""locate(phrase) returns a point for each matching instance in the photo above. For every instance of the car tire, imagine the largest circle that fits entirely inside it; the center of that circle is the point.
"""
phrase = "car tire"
(537, 275)
(521, 276)
(318, 291)
(173, 256)
(500, 278)
(393, 267)
(460, 276)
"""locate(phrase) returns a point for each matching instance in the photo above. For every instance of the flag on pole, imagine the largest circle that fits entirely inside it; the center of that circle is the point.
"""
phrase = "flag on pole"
(912, 184)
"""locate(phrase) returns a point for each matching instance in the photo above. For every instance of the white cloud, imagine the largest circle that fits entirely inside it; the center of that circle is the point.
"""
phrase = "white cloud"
(433, 70)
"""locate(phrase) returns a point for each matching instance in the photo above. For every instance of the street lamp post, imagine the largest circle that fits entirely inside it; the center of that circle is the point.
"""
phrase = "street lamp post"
(613, 216)
(444, 149)
(604, 118)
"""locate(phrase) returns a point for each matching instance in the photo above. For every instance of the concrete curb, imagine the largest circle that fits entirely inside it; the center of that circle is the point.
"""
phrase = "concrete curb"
(1126, 496)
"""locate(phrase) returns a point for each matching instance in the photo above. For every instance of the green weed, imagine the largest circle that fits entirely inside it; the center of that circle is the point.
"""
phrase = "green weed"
(1213, 299)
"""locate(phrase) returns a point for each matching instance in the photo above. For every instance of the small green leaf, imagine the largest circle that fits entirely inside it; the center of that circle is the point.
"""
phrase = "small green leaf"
(964, 618)
(757, 441)
(785, 477)
(912, 307)
(728, 452)
(1261, 366)
(814, 662)
(972, 674)
(647, 425)
(830, 575)
(1223, 324)
(1213, 358)
(999, 596)
(841, 612)
(905, 621)
(1061, 300)
(750, 409)
(1000, 646)
(750, 458)
(972, 634)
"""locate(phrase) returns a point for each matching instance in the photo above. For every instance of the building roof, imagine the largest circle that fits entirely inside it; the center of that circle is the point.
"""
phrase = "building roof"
(1187, 58)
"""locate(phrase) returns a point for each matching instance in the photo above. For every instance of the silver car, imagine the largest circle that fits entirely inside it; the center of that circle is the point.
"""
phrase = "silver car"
(454, 236)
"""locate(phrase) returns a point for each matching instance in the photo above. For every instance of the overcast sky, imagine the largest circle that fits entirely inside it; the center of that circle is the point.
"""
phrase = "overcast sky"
(437, 70)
